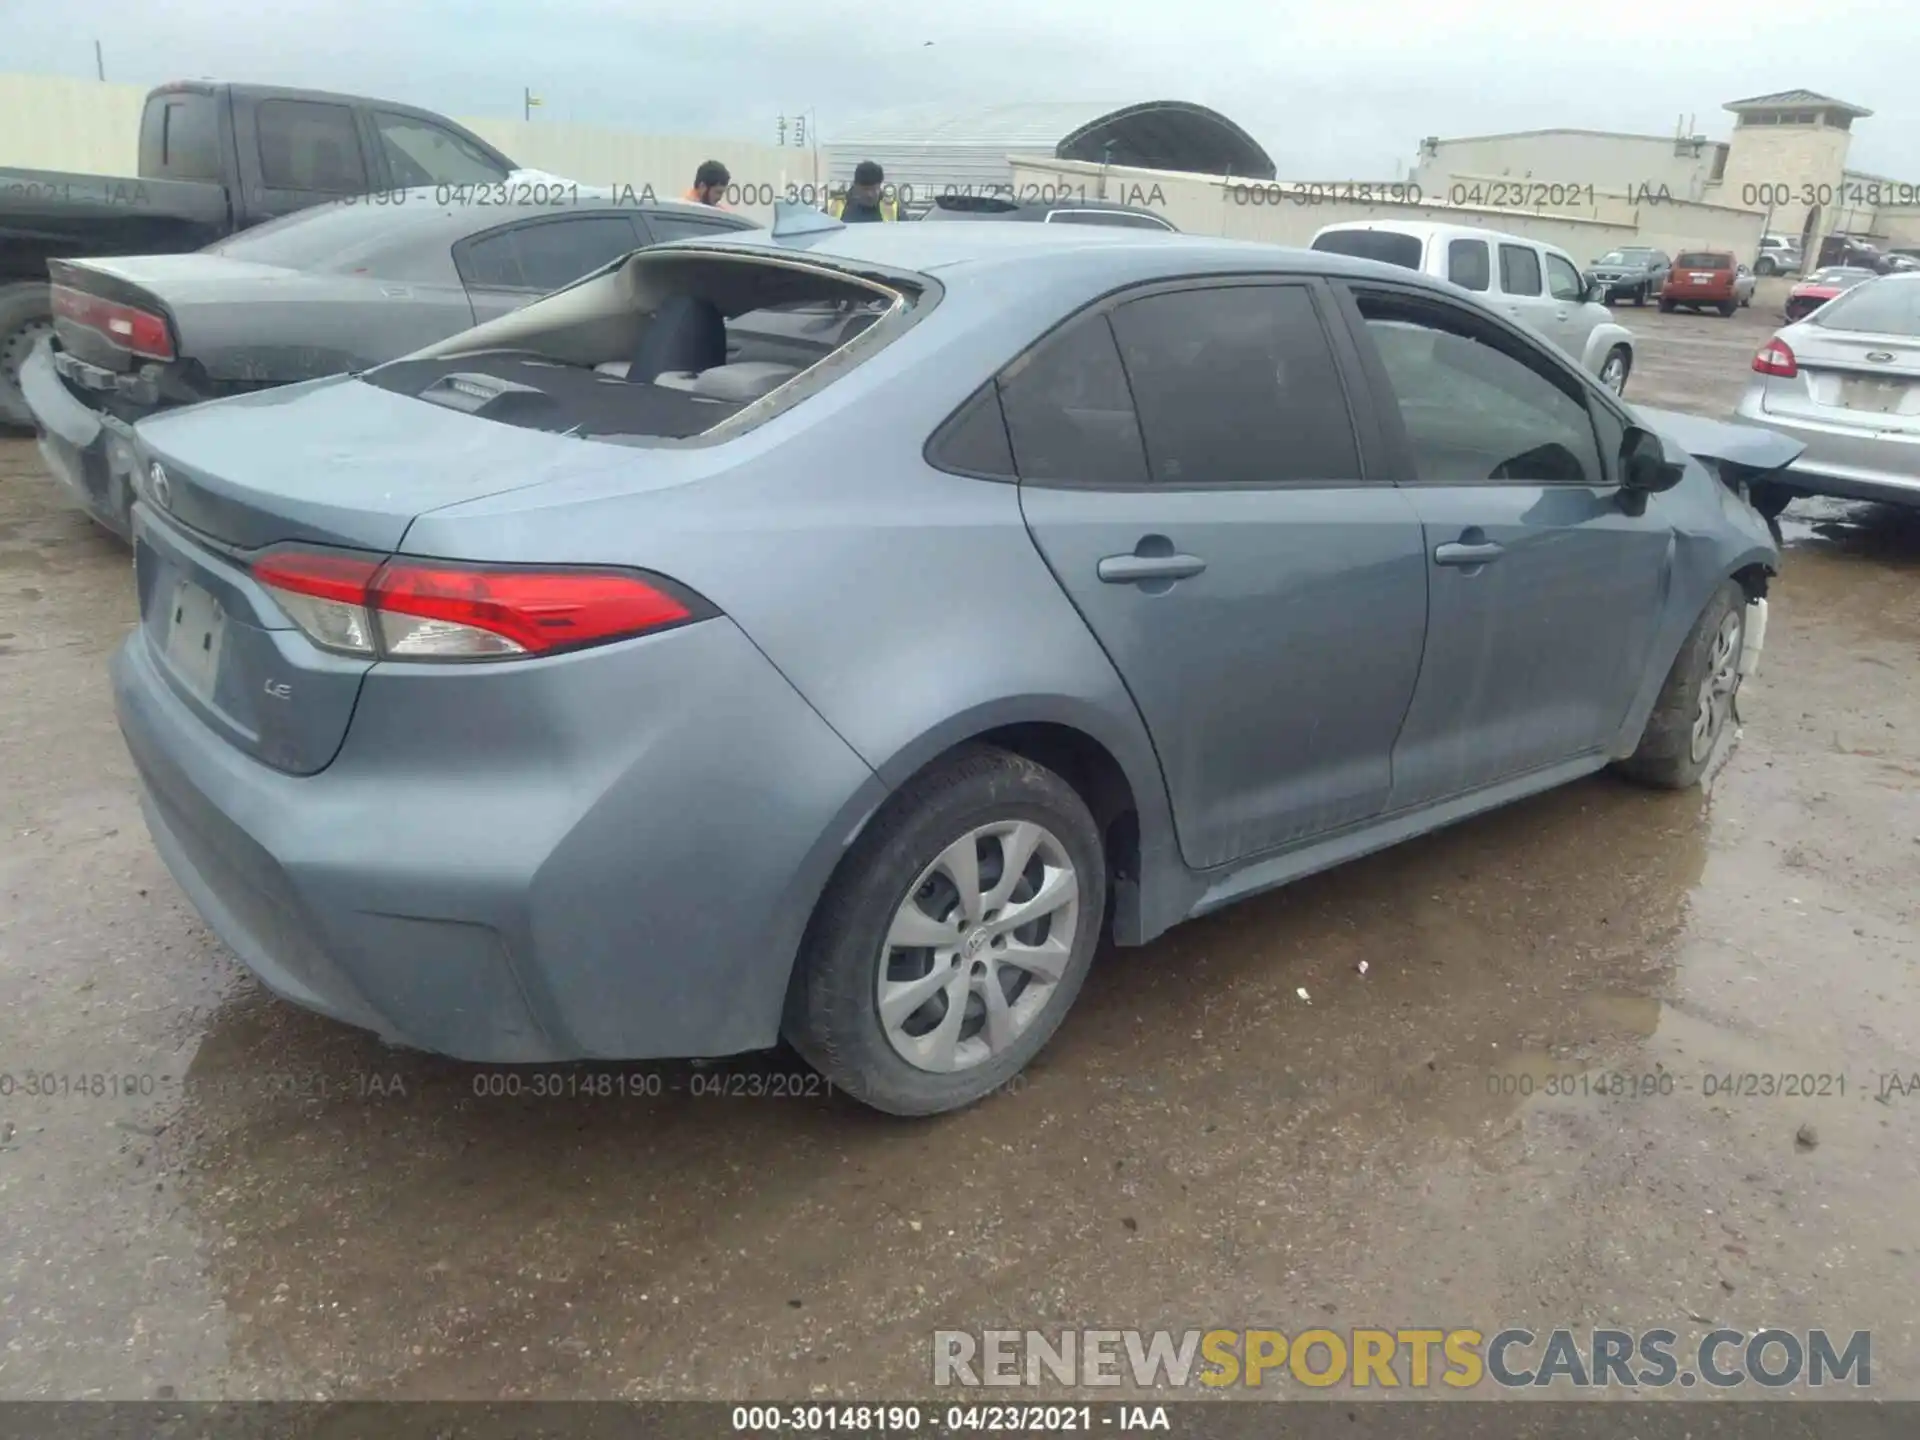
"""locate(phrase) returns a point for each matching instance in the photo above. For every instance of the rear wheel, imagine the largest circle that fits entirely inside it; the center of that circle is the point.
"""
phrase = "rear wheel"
(954, 937)
(1696, 701)
(1727, 308)
(26, 314)
(1763, 267)
(1666, 307)
(1640, 296)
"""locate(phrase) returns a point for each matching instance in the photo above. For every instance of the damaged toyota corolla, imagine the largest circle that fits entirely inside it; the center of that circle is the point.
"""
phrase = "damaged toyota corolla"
(832, 633)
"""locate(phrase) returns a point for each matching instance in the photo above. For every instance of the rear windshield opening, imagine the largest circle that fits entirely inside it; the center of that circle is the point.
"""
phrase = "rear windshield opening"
(1385, 245)
(670, 345)
(1702, 260)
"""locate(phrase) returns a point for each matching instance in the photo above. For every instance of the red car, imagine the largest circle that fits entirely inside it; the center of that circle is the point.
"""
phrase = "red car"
(1703, 279)
(1821, 286)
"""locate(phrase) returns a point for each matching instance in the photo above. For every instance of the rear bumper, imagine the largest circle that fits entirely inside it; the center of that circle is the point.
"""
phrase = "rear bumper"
(1843, 461)
(614, 857)
(90, 452)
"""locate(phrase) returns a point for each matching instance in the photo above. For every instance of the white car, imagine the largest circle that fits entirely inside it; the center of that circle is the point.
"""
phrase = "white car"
(1536, 284)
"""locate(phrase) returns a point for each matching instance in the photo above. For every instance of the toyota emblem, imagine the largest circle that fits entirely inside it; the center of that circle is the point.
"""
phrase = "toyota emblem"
(1881, 356)
(160, 485)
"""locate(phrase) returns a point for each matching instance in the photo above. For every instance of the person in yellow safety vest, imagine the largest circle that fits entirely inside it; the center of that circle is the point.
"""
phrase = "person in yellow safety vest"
(865, 199)
(709, 186)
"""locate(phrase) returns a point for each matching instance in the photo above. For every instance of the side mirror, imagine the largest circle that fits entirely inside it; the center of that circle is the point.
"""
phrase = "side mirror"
(1596, 291)
(1645, 469)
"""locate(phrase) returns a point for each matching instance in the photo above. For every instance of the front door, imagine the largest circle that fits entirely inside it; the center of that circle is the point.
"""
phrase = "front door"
(1190, 471)
(1544, 591)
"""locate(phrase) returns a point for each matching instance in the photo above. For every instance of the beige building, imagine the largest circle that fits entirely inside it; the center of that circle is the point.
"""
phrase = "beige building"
(1785, 159)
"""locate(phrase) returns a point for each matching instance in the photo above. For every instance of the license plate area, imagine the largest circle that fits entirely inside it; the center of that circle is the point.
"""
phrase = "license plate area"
(196, 637)
(1872, 396)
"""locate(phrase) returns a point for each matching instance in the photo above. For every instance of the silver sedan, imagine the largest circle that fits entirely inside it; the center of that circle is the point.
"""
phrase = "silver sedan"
(1845, 382)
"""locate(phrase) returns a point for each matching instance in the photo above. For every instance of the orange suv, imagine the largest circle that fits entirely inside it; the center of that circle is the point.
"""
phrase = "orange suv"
(1703, 278)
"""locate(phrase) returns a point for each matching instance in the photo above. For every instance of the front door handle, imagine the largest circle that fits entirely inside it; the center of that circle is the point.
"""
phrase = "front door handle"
(1461, 553)
(1133, 569)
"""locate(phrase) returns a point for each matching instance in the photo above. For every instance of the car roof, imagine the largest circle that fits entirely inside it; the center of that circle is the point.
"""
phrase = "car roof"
(1433, 229)
(428, 214)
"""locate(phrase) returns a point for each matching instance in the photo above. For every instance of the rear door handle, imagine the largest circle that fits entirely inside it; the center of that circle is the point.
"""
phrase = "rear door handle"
(1132, 569)
(1460, 553)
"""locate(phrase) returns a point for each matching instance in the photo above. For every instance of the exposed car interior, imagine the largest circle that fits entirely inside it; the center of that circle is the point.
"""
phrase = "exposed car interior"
(669, 345)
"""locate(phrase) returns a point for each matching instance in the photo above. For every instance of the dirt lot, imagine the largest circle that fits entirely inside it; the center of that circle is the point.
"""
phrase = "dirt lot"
(284, 1208)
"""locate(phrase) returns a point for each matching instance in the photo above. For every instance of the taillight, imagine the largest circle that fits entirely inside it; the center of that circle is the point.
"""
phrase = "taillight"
(437, 610)
(140, 332)
(1776, 358)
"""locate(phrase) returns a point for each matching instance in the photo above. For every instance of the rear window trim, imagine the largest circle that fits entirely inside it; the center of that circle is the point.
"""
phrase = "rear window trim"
(899, 318)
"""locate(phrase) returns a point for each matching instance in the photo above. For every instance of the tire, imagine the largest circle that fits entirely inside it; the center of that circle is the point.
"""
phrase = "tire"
(1763, 267)
(1691, 713)
(1617, 355)
(1666, 307)
(1727, 309)
(897, 878)
(1640, 296)
(26, 313)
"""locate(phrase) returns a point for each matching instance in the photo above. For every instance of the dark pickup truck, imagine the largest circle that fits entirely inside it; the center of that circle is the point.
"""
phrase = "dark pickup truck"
(213, 159)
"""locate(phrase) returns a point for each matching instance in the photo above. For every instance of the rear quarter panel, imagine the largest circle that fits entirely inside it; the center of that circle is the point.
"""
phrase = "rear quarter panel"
(910, 607)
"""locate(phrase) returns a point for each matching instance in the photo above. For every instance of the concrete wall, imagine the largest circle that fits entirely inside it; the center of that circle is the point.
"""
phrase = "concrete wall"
(52, 122)
(1214, 205)
(1568, 157)
(55, 122)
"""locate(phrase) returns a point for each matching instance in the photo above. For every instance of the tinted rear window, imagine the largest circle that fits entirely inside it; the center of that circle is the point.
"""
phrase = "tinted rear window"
(1468, 265)
(1389, 246)
(1702, 260)
(1886, 308)
(1236, 386)
(180, 137)
(1069, 413)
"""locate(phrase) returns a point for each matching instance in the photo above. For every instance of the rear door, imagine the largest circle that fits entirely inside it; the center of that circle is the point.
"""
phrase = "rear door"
(1469, 262)
(516, 264)
(1859, 362)
(1195, 473)
(1544, 592)
(1520, 285)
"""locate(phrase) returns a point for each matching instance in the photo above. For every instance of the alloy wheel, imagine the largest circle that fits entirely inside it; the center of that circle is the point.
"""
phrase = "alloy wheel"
(1613, 374)
(1716, 695)
(977, 948)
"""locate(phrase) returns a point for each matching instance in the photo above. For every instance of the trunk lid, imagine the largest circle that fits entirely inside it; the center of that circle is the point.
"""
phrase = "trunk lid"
(1850, 377)
(331, 462)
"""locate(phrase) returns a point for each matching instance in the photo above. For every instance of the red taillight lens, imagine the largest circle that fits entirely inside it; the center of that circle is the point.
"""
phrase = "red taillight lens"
(1776, 358)
(426, 610)
(137, 331)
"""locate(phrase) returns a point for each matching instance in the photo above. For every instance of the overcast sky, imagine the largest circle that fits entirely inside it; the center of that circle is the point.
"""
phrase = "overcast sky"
(1335, 89)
